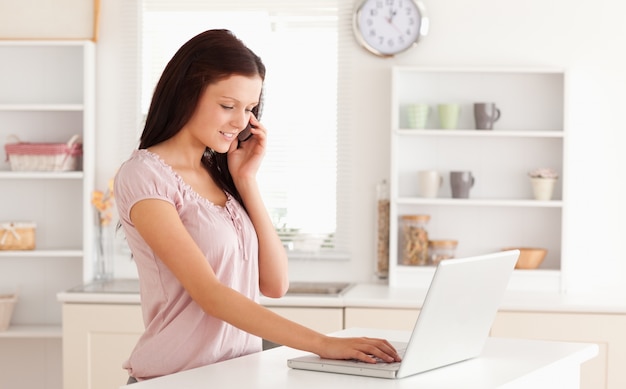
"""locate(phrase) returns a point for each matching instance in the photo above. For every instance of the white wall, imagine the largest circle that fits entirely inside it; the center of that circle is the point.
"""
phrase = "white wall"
(585, 38)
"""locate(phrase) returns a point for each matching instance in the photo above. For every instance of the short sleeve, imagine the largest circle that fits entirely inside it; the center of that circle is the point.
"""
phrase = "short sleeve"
(141, 177)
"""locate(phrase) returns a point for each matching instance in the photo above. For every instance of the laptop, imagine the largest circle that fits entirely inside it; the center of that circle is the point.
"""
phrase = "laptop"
(453, 324)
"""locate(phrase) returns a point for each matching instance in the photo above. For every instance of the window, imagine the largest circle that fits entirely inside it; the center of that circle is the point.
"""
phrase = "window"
(300, 43)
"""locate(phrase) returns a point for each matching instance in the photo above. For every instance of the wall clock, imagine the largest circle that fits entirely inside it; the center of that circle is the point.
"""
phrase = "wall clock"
(389, 27)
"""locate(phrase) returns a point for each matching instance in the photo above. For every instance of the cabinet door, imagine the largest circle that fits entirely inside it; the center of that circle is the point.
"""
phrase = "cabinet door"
(97, 339)
(604, 371)
(383, 318)
(324, 320)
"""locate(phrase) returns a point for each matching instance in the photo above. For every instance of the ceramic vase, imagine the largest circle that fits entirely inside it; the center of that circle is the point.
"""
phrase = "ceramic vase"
(543, 188)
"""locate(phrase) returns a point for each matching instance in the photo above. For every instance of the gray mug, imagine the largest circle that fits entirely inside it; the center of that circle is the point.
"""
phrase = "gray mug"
(461, 182)
(485, 115)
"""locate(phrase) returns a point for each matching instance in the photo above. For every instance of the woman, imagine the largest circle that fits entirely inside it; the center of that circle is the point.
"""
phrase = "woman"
(203, 242)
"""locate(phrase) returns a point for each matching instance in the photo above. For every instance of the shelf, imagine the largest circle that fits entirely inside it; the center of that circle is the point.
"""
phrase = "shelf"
(41, 107)
(483, 70)
(47, 95)
(42, 42)
(501, 210)
(480, 202)
(18, 175)
(41, 254)
(32, 332)
(482, 133)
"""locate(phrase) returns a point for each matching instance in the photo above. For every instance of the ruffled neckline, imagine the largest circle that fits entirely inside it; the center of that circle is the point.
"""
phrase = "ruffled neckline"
(181, 181)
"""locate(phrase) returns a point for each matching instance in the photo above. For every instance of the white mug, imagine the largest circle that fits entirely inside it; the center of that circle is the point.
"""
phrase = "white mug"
(429, 183)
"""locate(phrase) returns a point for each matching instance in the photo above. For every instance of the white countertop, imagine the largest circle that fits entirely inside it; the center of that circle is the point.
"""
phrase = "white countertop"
(504, 363)
(117, 291)
(382, 296)
(371, 296)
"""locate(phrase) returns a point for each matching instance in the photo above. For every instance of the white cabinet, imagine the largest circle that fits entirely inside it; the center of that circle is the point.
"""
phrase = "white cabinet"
(97, 339)
(606, 330)
(320, 319)
(384, 318)
(500, 211)
(46, 95)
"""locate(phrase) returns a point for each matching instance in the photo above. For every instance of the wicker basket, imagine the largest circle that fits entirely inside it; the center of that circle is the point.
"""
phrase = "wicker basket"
(7, 302)
(58, 157)
(17, 235)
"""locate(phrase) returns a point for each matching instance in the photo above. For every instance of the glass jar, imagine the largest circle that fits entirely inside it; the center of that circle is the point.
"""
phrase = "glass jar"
(382, 230)
(441, 249)
(413, 240)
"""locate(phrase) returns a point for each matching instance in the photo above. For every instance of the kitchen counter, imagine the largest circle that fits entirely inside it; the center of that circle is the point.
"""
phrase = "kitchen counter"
(382, 296)
(126, 291)
(91, 311)
(504, 363)
(116, 291)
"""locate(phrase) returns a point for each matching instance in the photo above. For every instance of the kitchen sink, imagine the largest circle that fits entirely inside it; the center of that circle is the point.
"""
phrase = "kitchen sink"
(318, 288)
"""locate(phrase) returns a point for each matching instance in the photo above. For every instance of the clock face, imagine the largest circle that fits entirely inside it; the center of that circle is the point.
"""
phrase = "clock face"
(388, 27)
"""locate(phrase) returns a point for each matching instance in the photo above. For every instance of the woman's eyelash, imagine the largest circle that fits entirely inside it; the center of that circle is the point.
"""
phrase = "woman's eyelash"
(229, 107)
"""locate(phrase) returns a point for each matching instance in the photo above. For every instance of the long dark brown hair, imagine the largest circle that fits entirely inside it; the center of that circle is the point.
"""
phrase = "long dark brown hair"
(205, 59)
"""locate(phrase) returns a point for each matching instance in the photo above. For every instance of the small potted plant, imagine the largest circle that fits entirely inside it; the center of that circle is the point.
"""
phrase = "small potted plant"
(543, 181)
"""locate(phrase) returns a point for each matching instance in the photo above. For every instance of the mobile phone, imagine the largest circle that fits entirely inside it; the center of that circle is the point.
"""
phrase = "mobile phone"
(245, 134)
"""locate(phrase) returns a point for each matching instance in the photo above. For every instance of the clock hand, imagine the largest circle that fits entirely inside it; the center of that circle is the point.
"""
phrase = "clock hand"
(389, 20)
(396, 27)
(393, 13)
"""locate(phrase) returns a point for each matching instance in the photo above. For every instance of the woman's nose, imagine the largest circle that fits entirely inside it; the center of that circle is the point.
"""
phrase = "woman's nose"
(241, 120)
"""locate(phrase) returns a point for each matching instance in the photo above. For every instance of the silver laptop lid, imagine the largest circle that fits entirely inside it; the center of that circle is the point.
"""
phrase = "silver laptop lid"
(459, 309)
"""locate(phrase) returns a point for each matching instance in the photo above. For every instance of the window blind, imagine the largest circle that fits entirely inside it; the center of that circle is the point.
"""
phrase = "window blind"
(306, 46)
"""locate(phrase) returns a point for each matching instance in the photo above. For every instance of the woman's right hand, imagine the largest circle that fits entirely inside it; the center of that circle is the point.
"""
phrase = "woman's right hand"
(244, 158)
(364, 349)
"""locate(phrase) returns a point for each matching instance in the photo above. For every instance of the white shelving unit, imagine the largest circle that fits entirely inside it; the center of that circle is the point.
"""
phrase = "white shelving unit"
(500, 211)
(47, 91)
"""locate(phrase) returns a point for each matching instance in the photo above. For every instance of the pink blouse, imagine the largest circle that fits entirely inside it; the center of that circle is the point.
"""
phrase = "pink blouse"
(179, 335)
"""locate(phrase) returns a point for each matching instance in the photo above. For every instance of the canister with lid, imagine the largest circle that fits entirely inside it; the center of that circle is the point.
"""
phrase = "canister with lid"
(441, 249)
(413, 240)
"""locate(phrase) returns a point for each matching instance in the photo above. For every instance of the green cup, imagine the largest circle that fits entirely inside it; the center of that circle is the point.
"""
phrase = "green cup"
(417, 115)
(449, 115)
